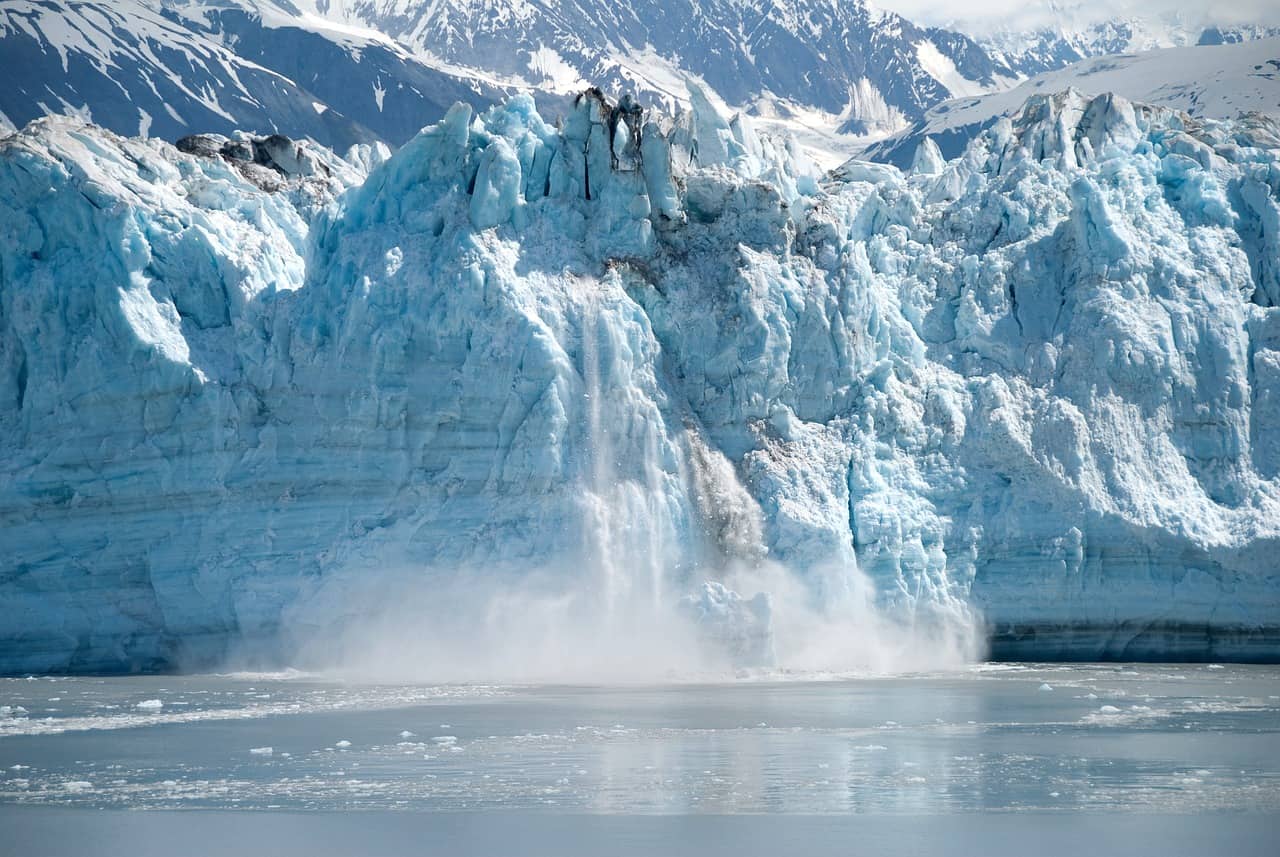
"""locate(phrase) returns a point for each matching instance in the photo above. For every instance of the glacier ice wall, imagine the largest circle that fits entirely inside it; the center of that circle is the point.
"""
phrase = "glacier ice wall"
(1040, 381)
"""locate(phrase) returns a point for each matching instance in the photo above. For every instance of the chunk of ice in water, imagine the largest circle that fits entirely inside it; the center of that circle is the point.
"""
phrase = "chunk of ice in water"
(261, 751)
(150, 705)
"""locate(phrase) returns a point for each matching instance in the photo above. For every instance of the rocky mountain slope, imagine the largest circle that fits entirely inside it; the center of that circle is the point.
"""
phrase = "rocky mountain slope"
(152, 68)
(344, 72)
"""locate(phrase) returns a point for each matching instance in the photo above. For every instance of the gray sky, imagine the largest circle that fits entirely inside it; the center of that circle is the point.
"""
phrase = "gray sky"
(983, 15)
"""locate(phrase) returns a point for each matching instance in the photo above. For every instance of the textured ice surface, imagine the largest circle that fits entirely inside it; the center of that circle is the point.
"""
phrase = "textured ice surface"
(637, 355)
(1214, 81)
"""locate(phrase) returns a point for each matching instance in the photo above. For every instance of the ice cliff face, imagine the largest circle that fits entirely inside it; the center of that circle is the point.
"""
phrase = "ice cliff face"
(1041, 380)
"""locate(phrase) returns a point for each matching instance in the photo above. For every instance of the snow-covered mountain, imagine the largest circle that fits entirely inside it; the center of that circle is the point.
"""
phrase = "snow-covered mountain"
(253, 391)
(811, 52)
(171, 69)
(1048, 35)
(1216, 82)
(1045, 50)
(344, 71)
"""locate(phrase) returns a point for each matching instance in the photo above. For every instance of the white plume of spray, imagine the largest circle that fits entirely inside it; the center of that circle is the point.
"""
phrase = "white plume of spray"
(632, 600)
(412, 626)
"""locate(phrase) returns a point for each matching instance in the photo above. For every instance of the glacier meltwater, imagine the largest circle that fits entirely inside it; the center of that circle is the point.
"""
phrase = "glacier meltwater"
(657, 378)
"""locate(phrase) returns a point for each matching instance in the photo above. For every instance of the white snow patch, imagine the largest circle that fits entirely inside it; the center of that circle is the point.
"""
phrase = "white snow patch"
(553, 73)
(940, 67)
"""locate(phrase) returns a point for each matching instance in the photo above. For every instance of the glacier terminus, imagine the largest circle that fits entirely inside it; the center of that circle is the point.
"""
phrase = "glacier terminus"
(645, 372)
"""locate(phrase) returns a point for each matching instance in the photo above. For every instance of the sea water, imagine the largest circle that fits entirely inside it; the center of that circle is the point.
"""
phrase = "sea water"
(1196, 747)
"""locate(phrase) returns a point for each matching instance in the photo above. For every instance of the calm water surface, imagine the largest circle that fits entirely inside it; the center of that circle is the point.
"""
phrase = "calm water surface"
(1104, 742)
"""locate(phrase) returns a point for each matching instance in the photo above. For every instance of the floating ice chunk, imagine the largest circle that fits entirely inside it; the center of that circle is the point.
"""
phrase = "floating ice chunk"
(261, 751)
(150, 705)
(1046, 686)
(78, 786)
(342, 745)
(406, 734)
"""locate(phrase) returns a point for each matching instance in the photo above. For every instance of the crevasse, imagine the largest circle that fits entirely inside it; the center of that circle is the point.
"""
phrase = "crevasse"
(644, 357)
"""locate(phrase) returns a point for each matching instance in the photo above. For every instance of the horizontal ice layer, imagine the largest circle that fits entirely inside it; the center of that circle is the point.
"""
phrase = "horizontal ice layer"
(1041, 379)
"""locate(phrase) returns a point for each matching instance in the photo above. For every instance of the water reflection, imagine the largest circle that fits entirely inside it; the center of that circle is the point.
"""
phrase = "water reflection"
(1099, 738)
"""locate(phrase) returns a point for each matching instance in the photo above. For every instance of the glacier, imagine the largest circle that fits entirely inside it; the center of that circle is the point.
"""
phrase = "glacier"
(1218, 81)
(254, 391)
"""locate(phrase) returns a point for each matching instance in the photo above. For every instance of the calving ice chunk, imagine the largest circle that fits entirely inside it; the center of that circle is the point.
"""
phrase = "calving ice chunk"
(633, 384)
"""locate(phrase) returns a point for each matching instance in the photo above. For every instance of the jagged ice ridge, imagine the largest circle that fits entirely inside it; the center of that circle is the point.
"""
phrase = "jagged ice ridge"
(1039, 383)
